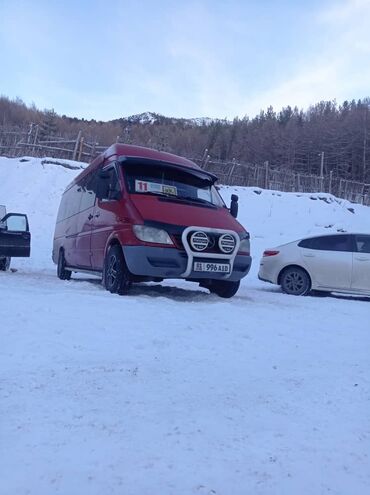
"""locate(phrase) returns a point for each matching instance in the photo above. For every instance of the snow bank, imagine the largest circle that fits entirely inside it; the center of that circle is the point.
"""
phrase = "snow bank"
(34, 186)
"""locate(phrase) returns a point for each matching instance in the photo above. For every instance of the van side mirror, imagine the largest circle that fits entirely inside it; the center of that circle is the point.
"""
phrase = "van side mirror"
(234, 207)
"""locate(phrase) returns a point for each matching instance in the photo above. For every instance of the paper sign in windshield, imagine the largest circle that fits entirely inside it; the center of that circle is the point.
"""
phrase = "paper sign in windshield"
(144, 186)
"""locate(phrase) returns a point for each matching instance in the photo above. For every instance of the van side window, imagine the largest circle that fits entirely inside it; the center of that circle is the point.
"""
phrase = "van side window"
(109, 187)
(62, 208)
(73, 198)
(88, 190)
(114, 187)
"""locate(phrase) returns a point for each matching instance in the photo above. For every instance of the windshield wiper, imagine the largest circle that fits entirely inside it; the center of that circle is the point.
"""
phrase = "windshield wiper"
(156, 193)
(196, 200)
(173, 197)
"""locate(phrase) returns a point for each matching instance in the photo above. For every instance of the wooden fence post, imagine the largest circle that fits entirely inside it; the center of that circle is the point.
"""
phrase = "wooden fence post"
(231, 171)
(75, 151)
(208, 157)
(35, 138)
(29, 134)
(205, 154)
(92, 154)
(266, 174)
(330, 181)
(80, 150)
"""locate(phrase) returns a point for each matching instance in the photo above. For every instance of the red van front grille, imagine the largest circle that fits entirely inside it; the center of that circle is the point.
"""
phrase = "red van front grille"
(212, 247)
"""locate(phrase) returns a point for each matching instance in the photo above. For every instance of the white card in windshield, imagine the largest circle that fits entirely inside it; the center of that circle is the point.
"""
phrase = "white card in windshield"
(144, 186)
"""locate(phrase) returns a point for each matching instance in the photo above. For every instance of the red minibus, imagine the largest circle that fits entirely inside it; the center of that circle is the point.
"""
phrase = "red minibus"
(137, 214)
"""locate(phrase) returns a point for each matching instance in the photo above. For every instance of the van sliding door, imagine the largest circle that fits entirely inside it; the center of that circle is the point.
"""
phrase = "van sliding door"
(85, 221)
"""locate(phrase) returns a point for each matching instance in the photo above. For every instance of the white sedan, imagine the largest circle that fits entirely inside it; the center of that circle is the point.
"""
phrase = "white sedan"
(325, 263)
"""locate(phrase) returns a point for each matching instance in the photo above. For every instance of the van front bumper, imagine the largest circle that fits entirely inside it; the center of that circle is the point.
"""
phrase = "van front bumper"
(158, 262)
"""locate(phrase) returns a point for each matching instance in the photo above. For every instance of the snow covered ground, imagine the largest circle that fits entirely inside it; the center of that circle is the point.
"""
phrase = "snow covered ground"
(171, 390)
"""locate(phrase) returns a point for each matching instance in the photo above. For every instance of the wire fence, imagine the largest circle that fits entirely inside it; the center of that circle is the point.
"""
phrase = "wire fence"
(266, 177)
(30, 141)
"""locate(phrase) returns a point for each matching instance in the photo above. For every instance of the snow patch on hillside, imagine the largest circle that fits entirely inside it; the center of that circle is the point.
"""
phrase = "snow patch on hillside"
(150, 118)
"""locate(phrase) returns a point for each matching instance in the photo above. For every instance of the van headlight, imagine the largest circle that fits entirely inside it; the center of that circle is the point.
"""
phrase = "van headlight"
(151, 234)
(244, 246)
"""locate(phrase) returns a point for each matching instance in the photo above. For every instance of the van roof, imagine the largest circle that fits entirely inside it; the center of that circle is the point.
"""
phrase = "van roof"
(128, 150)
(117, 151)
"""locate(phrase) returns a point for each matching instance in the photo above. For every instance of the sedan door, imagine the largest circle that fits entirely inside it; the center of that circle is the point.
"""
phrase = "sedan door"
(361, 264)
(15, 237)
(329, 260)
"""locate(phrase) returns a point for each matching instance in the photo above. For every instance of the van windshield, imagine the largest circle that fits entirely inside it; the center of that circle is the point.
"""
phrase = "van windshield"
(171, 183)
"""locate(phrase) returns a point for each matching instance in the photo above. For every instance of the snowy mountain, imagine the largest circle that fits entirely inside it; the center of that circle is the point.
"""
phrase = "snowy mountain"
(171, 390)
(143, 118)
(150, 118)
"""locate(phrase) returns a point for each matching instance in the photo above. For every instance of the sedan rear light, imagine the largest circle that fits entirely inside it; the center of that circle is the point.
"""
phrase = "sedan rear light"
(270, 252)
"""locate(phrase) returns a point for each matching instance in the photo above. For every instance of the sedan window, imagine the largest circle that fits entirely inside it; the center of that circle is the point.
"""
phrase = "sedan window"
(328, 243)
(363, 243)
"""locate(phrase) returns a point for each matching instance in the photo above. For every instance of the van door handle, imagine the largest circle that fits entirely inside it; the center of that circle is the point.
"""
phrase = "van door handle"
(362, 259)
(309, 255)
(90, 217)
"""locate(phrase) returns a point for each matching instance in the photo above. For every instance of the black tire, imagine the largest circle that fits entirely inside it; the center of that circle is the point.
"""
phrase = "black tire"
(320, 293)
(62, 272)
(4, 264)
(295, 281)
(116, 276)
(224, 288)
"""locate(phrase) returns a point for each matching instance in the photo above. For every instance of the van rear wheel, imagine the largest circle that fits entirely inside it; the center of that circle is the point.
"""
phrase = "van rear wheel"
(62, 272)
(116, 275)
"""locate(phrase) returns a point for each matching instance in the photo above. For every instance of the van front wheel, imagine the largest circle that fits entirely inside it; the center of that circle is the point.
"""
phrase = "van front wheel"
(116, 275)
(224, 288)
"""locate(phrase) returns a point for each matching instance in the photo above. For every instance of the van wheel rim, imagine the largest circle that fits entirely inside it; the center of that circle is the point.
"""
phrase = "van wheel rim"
(112, 271)
(294, 282)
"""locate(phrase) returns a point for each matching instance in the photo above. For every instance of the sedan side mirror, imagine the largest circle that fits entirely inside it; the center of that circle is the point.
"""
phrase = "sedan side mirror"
(234, 207)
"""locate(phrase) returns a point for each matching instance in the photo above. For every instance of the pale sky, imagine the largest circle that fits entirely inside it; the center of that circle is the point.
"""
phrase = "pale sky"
(196, 58)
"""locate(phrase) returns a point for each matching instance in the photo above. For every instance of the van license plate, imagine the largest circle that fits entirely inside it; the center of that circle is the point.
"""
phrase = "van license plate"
(211, 267)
